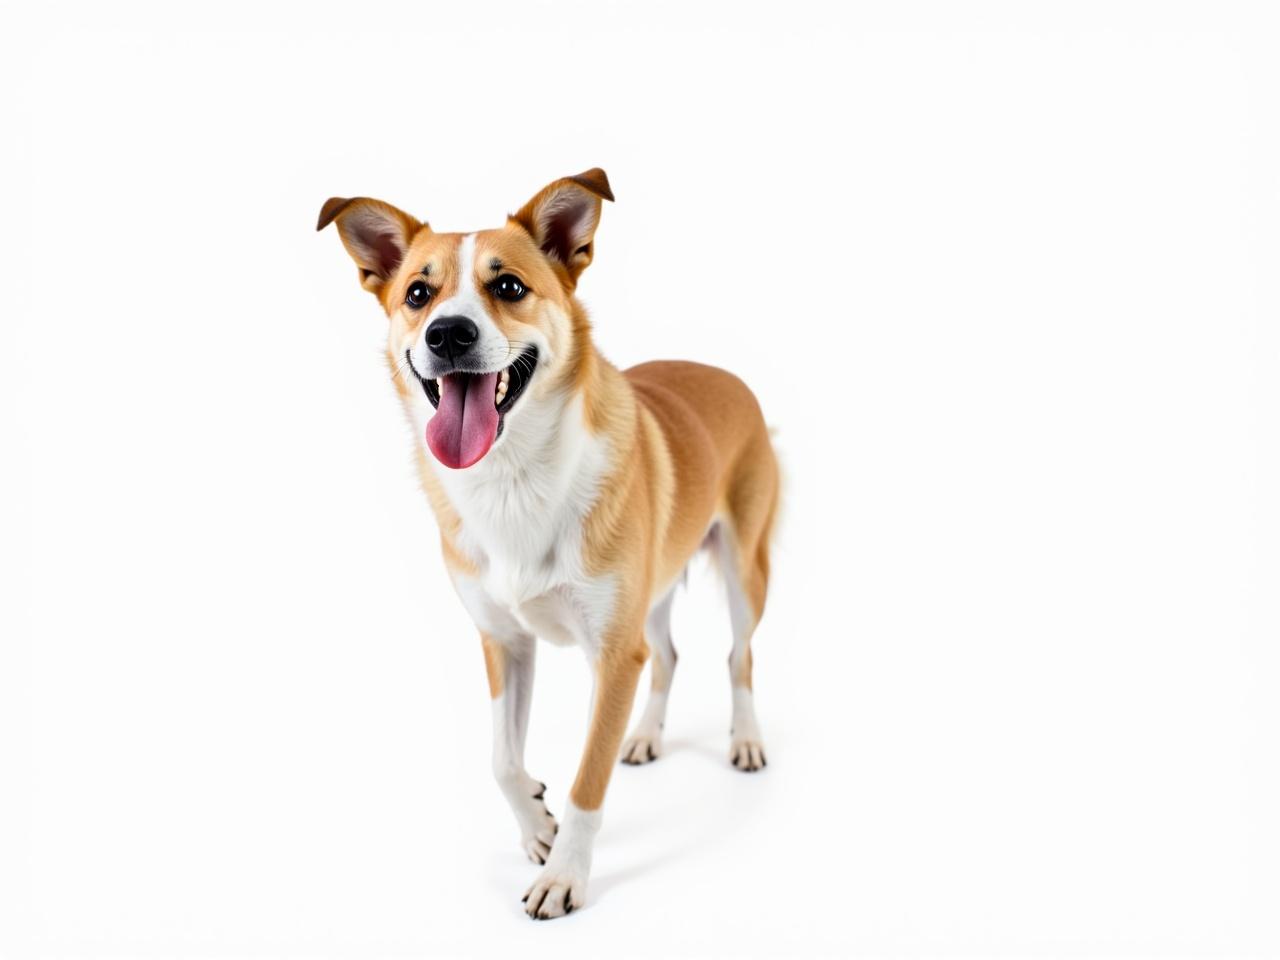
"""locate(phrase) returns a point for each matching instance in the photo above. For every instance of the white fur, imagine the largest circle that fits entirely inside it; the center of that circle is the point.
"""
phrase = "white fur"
(746, 747)
(510, 722)
(562, 885)
(523, 505)
(522, 509)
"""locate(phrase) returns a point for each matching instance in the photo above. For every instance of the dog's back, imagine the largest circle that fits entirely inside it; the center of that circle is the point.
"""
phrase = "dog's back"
(728, 482)
(719, 444)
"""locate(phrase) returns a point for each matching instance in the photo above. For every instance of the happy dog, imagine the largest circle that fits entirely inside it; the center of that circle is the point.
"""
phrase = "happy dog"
(570, 495)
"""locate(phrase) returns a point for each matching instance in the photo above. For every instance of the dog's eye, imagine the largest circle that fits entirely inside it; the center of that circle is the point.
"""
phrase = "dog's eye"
(508, 287)
(418, 295)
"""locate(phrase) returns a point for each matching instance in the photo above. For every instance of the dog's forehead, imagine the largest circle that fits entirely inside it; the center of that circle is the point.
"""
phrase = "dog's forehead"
(433, 252)
(508, 249)
(485, 252)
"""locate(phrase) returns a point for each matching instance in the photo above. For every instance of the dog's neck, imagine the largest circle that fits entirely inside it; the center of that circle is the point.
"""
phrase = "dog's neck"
(542, 438)
(544, 476)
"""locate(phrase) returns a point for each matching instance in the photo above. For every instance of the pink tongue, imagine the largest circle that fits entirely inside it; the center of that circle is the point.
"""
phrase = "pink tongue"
(466, 422)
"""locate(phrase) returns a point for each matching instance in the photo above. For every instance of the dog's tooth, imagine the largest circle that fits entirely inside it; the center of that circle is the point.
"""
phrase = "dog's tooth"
(506, 375)
(440, 385)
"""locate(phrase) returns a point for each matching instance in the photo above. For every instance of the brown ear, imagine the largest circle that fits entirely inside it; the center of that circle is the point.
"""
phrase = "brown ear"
(562, 218)
(376, 235)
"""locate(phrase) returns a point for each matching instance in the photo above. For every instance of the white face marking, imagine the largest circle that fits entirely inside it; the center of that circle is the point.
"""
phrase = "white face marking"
(493, 351)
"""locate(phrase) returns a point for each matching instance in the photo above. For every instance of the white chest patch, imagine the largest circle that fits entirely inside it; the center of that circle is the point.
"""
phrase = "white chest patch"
(522, 509)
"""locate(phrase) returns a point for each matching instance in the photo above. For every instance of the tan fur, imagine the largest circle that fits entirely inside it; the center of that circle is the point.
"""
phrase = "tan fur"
(696, 448)
(495, 661)
(617, 675)
(688, 442)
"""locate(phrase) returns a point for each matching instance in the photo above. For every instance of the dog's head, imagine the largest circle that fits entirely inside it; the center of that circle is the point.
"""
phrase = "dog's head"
(485, 322)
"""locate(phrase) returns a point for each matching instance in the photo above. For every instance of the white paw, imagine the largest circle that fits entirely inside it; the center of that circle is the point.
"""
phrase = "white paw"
(561, 887)
(538, 827)
(747, 755)
(643, 746)
(556, 893)
(538, 845)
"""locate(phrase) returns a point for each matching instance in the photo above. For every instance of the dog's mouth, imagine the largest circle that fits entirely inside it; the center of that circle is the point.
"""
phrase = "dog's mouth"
(470, 408)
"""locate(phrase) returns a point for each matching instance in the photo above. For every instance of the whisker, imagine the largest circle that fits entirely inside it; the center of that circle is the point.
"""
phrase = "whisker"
(517, 355)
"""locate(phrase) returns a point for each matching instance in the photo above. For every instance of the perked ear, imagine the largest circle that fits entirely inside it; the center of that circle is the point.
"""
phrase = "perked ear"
(376, 235)
(562, 218)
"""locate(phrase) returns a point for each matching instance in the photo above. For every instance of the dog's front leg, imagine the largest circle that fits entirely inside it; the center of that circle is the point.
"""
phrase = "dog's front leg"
(562, 885)
(510, 668)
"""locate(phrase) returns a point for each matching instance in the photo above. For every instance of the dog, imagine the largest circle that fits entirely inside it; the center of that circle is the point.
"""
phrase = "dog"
(570, 495)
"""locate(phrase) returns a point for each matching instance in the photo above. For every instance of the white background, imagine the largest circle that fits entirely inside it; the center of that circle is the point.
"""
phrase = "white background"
(1004, 278)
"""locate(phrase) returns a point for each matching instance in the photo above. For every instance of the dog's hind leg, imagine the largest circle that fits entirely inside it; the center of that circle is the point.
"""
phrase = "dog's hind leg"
(510, 669)
(743, 547)
(645, 742)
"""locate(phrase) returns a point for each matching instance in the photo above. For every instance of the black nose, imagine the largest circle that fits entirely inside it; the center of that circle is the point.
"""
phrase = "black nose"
(451, 337)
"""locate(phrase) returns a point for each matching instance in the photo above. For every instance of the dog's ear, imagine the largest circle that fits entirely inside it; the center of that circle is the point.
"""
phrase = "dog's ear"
(563, 216)
(376, 235)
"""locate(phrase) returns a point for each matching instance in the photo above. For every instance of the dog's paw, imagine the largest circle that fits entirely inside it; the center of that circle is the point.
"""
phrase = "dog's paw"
(641, 747)
(538, 828)
(538, 845)
(747, 755)
(556, 893)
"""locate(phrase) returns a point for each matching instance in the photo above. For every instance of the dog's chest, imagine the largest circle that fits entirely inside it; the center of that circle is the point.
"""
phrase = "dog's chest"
(538, 592)
(535, 583)
(523, 530)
